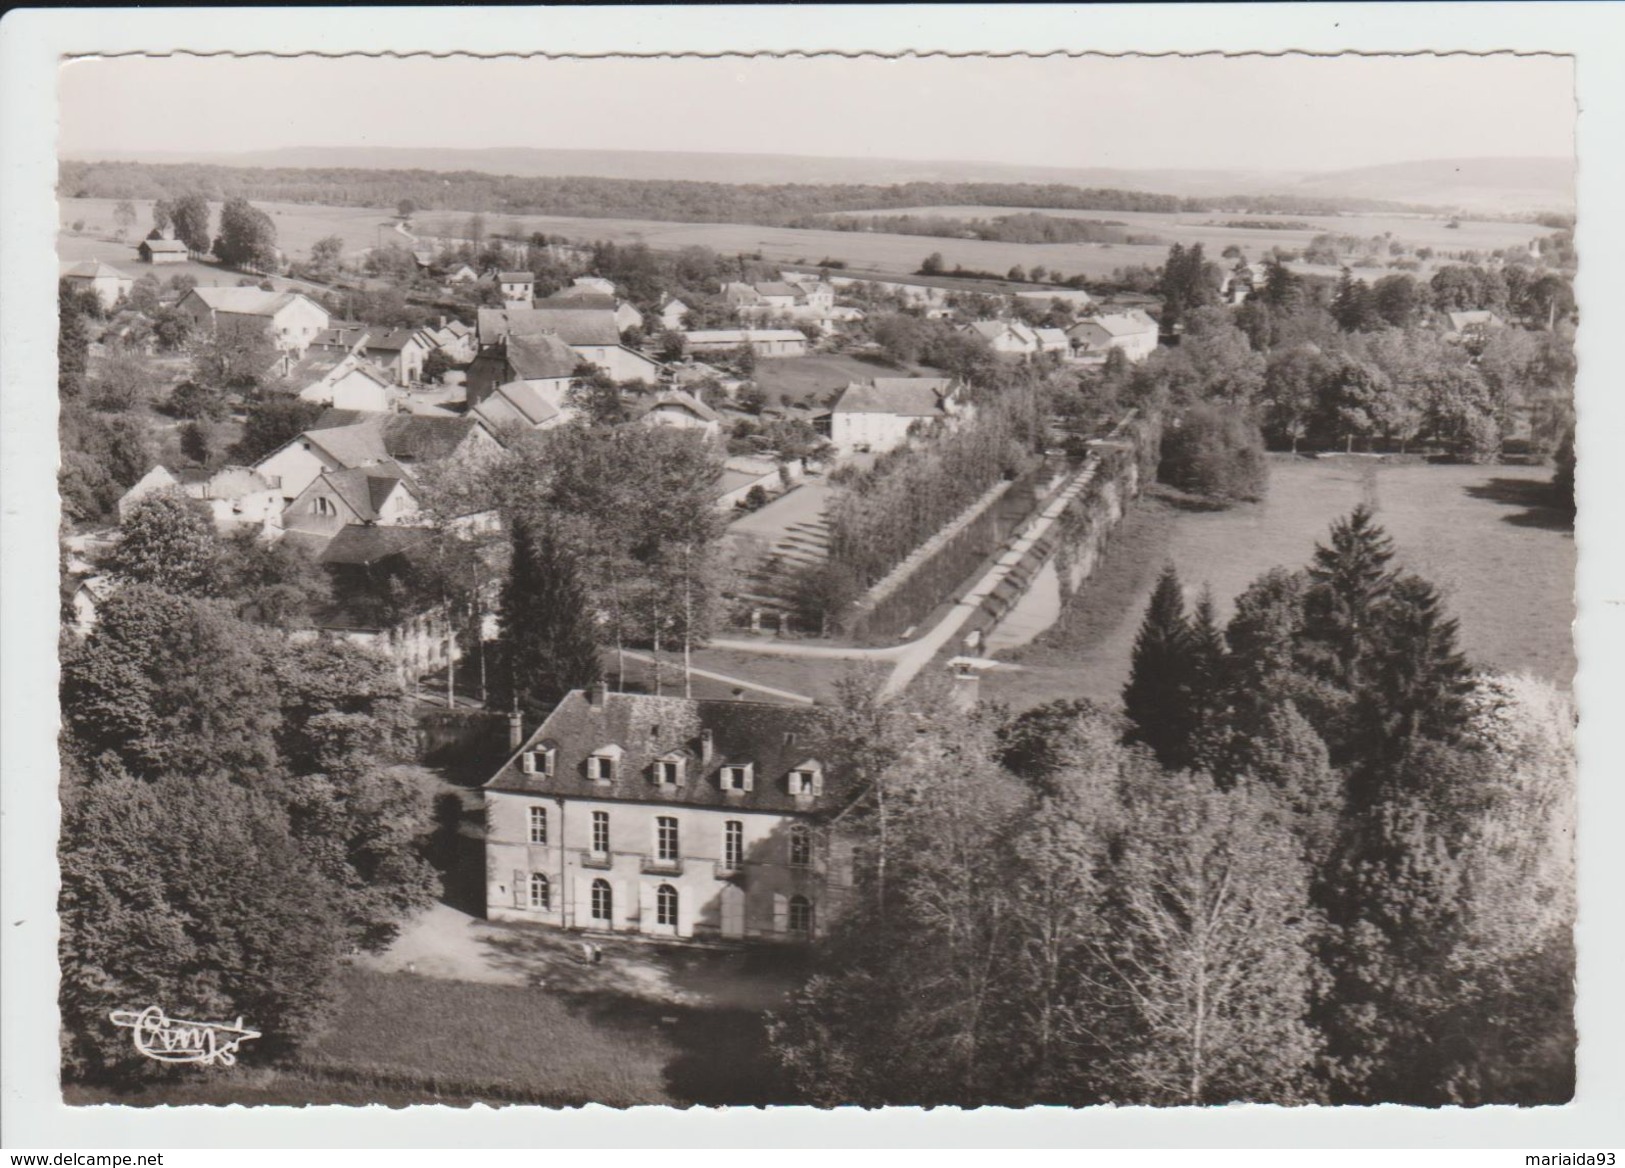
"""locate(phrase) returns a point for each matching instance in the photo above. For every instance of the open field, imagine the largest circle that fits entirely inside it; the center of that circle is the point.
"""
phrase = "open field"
(299, 225)
(1189, 227)
(1484, 535)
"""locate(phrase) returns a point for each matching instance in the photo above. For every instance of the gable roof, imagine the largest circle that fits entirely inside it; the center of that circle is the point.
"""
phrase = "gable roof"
(516, 277)
(357, 444)
(905, 397)
(161, 245)
(367, 543)
(400, 437)
(522, 399)
(365, 489)
(94, 270)
(678, 399)
(540, 357)
(775, 738)
(580, 295)
(776, 288)
(391, 340)
(250, 301)
(573, 325)
(1121, 324)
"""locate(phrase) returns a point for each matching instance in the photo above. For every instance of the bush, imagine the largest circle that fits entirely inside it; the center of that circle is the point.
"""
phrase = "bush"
(1216, 452)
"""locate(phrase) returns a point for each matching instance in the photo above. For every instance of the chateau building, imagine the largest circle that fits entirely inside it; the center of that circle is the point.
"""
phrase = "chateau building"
(670, 817)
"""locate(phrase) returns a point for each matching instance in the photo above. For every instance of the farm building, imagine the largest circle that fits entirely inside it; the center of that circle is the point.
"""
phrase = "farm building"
(763, 342)
(1133, 332)
(162, 251)
(293, 321)
(878, 415)
(106, 281)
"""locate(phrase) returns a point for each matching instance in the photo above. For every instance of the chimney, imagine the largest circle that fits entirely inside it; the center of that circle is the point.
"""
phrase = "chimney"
(707, 747)
(598, 695)
(516, 731)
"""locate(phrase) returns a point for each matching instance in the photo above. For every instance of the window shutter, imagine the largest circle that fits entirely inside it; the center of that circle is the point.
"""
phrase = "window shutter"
(521, 882)
(818, 782)
(750, 778)
(781, 913)
(527, 762)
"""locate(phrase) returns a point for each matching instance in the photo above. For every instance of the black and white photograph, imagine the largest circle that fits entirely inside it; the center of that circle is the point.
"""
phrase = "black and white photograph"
(837, 581)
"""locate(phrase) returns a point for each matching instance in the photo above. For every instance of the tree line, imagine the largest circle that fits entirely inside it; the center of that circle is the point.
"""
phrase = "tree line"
(1315, 858)
(1029, 227)
(606, 198)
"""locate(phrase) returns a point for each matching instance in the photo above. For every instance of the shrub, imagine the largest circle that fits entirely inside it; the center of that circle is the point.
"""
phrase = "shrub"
(1216, 452)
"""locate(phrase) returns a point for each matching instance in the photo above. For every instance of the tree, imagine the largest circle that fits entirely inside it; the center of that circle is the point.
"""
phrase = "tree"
(1353, 399)
(1399, 300)
(198, 442)
(1418, 679)
(1563, 474)
(406, 208)
(72, 340)
(901, 337)
(124, 216)
(326, 254)
(199, 402)
(1203, 956)
(1215, 452)
(672, 346)
(166, 541)
(1292, 382)
(247, 237)
(549, 634)
(1017, 274)
(189, 215)
(163, 216)
(1348, 582)
(436, 365)
(234, 354)
(1461, 414)
(932, 265)
(1352, 305)
(1157, 698)
(271, 423)
(187, 890)
(124, 380)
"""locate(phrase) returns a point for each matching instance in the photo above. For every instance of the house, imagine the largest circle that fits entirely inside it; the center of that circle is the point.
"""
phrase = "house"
(591, 332)
(236, 497)
(741, 475)
(106, 281)
(594, 284)
(1009, 338)
(162, 251)
(673, 315)
(87, 600)
(453, 338)
(381, 493)
(682, 411)
(626, 317)
(398, 352)
(879, 415)
(292, 320)
(769, 343)
(302, 459)
(540, 360)
(519, 404)
(415, 440)
(1133, 332)
(517, 286)
(1461, 325)
(342, 380)
(458, 273)
(1238, 283)
(1053, 340)
(670, 817)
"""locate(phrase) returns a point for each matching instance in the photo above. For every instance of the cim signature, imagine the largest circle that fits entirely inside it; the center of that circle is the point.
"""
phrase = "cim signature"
(175, 1040)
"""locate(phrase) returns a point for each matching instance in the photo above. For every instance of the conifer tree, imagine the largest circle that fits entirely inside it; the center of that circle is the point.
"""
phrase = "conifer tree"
(1348, 582)
(1209, 706)
(548, 630)
(1157, 698)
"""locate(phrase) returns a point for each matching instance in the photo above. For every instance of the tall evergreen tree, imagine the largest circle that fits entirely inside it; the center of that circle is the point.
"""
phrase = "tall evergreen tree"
(1348, 581)
(1157, 698)
(548, 630)
(1208, 670)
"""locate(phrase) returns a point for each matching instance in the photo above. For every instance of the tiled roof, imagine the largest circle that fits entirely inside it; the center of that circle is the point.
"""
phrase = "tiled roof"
(1121, 324)
(774, 738)
(573, 325)
(524, 400)
(578, 295)
(367, 488)
(904, 397)
(365, 543)
(516, 277)
(409, 437)
(360, 444)
(94, 270)
(776, 289)
(162, 245)
(540, 357)
(246, 301)
(390, 340)
(677, 399)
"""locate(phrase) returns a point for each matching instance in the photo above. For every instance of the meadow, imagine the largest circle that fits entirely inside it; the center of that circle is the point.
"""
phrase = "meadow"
(1486, 536)
(299, 225)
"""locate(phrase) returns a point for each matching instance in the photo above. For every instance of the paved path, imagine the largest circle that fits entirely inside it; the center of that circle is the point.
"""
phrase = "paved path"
(915, 655)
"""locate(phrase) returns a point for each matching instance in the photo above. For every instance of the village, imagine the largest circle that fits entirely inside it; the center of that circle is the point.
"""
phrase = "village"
(637, 535)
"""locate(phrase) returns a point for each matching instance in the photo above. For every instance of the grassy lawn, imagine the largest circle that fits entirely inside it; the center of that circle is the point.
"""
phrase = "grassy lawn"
(1484, 535)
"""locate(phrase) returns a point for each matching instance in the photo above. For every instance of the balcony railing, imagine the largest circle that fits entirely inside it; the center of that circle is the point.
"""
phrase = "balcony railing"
(656, 866)
(597, 860)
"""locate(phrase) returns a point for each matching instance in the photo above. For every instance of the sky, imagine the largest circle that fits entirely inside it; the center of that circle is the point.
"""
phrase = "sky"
(1251, 113)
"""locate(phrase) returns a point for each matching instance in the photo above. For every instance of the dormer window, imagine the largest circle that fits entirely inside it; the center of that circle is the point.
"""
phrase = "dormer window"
(669, 769)
(602, 762)
(739, 776)
(539, 761)
(807, 779)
